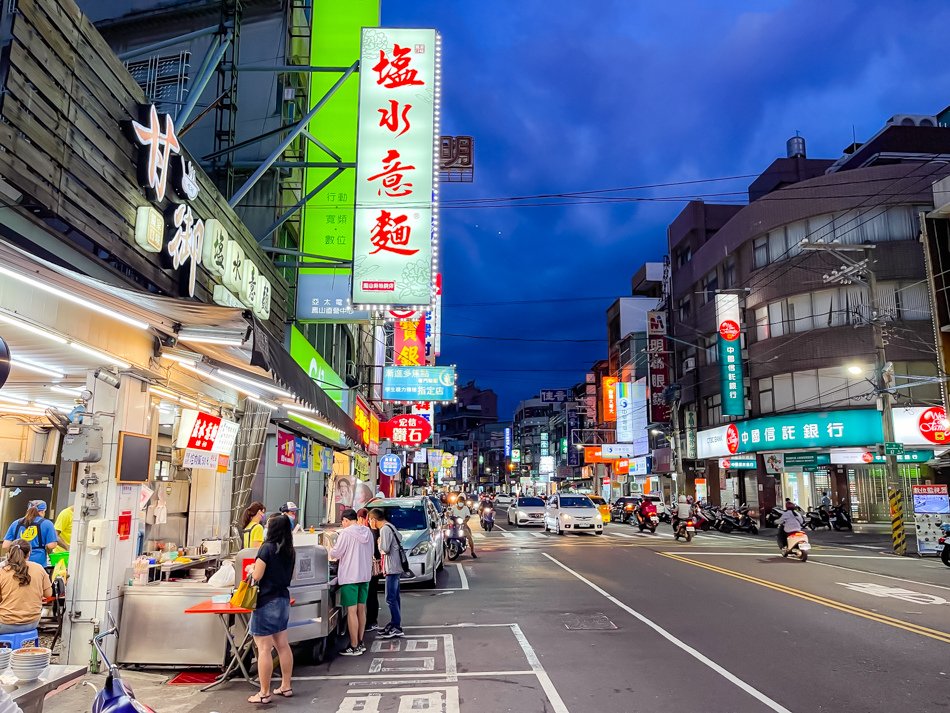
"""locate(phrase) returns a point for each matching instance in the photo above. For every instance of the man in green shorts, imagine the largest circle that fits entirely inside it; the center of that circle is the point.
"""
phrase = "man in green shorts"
(354, 552)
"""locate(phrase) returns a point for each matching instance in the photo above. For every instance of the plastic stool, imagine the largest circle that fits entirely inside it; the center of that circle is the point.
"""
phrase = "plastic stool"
(16, 641)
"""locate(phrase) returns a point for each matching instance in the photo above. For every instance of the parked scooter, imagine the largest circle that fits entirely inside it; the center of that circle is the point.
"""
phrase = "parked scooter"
(772, 516)
(943, 543)
(817, 518)
(745, 522)
(841, 518)
(455, 541)
(798, 546)
(116, 696)
(487, 519)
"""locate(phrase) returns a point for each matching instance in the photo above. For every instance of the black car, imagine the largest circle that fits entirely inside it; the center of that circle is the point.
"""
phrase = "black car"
(622, 508)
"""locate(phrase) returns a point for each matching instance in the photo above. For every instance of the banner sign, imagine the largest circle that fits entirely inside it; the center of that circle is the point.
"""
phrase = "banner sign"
(593, 454)
(689, 417)
(608, 394)
(516, 456)
(918, 425)
(730, 355)
(621, 466)
(507, 442)
(200, 459)
(285, 448)
(639, 466)
(301, 452)
(396, 163)
(738, 463)
(624, 399)
(573, 426)
(641, 431)
(658, 366)
(419, 383)
(617, 450)
(845, 457)
(204, 432)
(931, 508)
(409, 342)
(555, 396)
(325, 297)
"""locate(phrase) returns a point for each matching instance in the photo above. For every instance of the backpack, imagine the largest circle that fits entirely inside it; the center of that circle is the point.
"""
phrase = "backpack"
(403, 558)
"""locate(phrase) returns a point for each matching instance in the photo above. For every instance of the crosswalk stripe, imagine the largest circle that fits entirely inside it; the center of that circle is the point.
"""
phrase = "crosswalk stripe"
(509, 535)
(478, 535)
(542, 535)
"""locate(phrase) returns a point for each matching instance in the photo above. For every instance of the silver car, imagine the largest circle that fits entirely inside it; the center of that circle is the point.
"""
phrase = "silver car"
(419, 523)
(526, 511)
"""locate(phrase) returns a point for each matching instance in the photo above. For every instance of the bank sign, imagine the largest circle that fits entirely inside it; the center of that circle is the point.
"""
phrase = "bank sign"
(825, 429)
(730, 355)
(394, 243)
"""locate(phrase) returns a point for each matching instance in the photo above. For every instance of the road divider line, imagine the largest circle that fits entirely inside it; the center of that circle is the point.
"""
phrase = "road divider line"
(557, 703)
(702, 658)
(462, 576)
(935, 634)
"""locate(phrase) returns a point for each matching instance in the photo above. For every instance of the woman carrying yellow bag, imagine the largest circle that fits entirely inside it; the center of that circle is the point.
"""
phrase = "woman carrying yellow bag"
(273, 569)
(245, 596)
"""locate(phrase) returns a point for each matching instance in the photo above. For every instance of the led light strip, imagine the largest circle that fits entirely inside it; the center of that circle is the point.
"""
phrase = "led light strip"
(76, 299)
(224, 382)
(253, 382)
(30, 365)
(165, 393)
(308, 419)
(263, 402)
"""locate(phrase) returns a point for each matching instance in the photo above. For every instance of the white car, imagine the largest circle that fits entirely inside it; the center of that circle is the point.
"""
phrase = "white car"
(419, 523)
(572, 513)
(503, 502)
(526, 511)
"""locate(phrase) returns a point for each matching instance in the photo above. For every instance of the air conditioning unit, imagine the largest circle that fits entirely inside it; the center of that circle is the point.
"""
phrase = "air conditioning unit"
(689, 364)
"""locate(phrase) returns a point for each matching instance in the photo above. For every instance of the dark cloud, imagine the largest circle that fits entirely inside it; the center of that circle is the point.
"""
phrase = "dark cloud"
(566, 96)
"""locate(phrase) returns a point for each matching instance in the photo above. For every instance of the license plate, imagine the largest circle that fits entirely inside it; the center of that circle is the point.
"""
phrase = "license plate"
(690, 529)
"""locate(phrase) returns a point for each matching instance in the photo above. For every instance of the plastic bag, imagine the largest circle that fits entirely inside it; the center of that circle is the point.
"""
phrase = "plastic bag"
(224, 577)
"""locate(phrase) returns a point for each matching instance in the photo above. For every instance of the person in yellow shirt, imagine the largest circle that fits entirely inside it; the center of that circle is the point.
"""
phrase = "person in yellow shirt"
(252, 529)
(64, 526)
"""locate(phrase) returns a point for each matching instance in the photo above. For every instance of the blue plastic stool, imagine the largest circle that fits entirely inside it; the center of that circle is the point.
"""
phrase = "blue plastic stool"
(16, 641)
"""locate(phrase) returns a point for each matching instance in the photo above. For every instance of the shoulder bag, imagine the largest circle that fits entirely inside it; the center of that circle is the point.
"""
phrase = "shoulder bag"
(403, 558)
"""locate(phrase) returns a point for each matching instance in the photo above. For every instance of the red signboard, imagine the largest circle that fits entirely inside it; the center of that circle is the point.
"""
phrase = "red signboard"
(621, 466)
(409, 342)
(609, 397)
(658, 366)
(933, 425)
(406, 430)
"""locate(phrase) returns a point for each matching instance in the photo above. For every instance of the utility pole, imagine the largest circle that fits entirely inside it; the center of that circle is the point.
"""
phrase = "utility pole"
(862, 273)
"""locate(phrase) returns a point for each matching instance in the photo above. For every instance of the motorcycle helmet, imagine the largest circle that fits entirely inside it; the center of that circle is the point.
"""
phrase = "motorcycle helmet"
(789, 505)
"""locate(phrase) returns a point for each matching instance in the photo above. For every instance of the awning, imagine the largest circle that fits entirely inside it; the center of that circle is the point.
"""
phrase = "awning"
(169, 316)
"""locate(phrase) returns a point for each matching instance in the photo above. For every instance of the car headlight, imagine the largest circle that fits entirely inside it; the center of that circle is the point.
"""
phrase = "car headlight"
(522, 513)
(566, 516)
(420, 549)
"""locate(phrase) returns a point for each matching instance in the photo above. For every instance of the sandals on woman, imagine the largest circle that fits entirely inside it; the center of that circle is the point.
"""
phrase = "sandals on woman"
(260, 699)
(284, 692)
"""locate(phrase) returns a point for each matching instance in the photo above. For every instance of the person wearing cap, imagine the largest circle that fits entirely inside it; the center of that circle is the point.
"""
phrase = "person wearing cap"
(354, 553)
(35, 529)
(290, 510)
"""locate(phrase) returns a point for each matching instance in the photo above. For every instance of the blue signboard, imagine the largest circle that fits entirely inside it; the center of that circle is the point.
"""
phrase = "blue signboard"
(325, 297)
(390, 464)
(419, 383)
(301, 452)
(507, 443)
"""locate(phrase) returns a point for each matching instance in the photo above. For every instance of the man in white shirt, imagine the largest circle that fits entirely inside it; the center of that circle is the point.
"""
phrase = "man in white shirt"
(460, 509)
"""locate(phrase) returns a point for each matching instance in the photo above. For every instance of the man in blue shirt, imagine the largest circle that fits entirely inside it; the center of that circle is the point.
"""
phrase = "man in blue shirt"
(35, 529)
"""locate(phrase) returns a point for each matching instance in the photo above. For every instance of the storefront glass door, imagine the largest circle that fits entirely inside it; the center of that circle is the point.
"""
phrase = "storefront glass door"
(868, 489)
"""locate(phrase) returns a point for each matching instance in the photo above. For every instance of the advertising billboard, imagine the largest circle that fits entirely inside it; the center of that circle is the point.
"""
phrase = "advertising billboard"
(409, 342)
(658, 366)
(325, 297)
(608, 395)
(396, 223)
(624, 411)
(419, 383)
(730, 355)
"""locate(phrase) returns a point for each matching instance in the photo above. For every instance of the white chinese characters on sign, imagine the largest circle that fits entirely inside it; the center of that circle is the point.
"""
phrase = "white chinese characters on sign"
(186, 242)
(157, 147)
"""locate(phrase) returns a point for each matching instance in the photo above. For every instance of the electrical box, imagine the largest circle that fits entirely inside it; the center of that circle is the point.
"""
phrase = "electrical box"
(96, 537)
(82, 443)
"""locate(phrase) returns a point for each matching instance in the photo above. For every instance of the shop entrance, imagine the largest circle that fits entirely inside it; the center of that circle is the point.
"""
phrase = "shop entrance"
(867, 486)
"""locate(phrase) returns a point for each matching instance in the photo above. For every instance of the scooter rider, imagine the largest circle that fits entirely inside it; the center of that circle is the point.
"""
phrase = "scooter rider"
(683, 511)
(460, 509)
(789, 522)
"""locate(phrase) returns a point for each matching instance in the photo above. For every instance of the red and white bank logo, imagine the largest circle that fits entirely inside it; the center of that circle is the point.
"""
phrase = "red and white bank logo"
(867, 457)
(933, 425)
(729, 330)
(732, 438)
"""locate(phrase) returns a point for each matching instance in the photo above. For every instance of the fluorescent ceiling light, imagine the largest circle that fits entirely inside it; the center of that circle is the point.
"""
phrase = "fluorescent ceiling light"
(115, 361)
(253, 382)
(66, 390)
(22, 410)
(166, 394)
(13, 399)
(308, 419)
(199, 335)
(26, 326)
(76, 299)
(182, 356)
(38, 368)
(223, 382)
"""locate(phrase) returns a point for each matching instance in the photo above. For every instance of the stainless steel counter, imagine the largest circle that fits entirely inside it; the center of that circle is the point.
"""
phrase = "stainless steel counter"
(30, 696)
(156, 631)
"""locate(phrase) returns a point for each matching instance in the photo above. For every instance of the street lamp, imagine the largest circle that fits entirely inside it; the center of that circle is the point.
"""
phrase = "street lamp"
(856, 370)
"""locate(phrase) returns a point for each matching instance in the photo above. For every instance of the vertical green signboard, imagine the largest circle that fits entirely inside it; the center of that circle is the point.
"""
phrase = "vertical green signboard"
(730, 355)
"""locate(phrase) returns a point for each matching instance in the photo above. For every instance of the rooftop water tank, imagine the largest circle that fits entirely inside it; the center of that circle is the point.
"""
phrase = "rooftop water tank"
(795, 147)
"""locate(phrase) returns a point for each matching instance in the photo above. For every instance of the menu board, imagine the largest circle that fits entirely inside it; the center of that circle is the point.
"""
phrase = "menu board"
(931, 507)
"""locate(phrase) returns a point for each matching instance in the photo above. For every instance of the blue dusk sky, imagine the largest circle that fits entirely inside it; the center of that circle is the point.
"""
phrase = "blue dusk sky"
(565, 97)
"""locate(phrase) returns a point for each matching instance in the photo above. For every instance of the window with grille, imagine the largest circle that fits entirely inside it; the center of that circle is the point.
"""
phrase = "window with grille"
(163, 78)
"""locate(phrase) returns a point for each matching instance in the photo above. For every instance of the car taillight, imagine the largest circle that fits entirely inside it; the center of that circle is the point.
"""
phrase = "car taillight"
(629, 507)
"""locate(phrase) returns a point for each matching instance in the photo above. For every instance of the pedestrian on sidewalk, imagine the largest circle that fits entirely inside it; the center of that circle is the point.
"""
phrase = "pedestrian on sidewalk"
(273, 570)
(354, 553)
(372, 599)
(390, 543)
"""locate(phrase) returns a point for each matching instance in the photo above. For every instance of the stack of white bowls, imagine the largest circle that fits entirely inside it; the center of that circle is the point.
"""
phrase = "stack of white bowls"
(30, 662)
(5, 654)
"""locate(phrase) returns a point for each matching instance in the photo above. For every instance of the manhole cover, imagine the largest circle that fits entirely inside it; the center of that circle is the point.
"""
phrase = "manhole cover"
(587, 622)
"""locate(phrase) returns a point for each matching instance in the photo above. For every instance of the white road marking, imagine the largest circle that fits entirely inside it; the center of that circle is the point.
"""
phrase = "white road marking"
(907, 595)
(462, 576)
(779, 554)
(478, 535)
(415, 664)
(705, 660)
(550, 691)
(542, 535)
(509, 535)
(885, 576)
